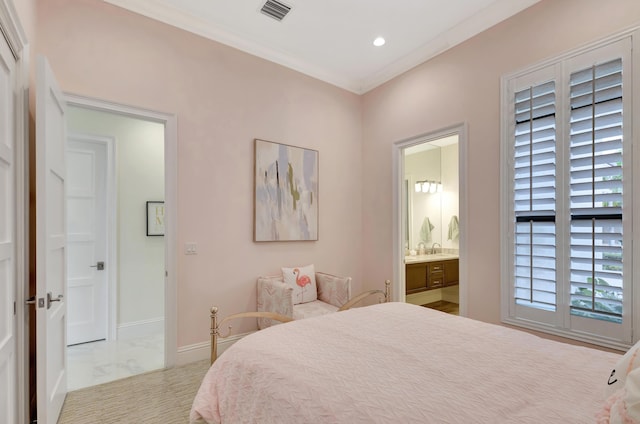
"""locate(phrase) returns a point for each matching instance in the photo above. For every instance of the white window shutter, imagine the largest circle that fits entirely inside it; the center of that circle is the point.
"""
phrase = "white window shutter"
(535, 197)
(568, 234)
(596, 192)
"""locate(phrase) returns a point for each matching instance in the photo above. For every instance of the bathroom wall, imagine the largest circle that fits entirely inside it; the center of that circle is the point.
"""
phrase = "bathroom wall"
(421, 166)
(450, 195)
(140, 177)
(434, 164)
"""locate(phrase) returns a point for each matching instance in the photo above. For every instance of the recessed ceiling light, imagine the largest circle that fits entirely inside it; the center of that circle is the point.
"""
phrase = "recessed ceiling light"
(379, 42)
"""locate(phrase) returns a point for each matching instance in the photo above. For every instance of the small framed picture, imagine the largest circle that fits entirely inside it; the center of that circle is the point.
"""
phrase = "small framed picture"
(155, 218)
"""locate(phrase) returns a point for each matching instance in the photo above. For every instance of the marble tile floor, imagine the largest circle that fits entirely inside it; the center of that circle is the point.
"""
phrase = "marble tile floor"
(94, 363)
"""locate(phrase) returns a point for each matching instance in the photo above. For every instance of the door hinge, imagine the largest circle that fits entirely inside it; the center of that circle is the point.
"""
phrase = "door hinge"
(14, 307)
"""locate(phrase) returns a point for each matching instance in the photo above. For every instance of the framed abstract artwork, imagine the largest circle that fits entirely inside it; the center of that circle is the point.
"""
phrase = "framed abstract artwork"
(286, 192)
(155, 218)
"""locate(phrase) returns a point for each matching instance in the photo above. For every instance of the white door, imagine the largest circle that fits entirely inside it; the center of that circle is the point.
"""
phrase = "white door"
(87, 267)
(50, 245)
(8, 382)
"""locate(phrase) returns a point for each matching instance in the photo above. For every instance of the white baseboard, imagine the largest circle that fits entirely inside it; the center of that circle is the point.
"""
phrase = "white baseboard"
(193, 353)
(137, 329)
(201, 351)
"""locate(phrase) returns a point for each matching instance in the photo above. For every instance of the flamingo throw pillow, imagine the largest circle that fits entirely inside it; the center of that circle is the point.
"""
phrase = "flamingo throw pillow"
(303, 281)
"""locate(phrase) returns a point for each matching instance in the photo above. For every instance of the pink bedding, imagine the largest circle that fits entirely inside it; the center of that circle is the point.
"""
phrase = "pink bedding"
(400, 363)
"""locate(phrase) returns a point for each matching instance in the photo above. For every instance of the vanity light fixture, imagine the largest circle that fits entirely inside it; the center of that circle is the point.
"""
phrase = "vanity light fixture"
(428, 187)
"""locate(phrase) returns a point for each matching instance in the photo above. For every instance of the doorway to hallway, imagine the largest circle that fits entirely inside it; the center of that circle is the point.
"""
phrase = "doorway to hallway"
(116, 282)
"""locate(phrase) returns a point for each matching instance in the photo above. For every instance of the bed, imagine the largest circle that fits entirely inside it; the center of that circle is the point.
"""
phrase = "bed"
(401, 363)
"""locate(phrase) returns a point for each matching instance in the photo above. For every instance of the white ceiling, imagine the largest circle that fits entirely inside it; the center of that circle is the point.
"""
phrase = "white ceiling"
(332, 40)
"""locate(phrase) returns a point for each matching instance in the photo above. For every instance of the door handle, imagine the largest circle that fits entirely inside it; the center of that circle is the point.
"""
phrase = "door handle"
(50, 299)
(33, 301)
(98, 265)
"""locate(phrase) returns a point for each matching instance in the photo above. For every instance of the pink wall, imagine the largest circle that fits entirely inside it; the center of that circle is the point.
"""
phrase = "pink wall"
(463, 85)
(223, 99)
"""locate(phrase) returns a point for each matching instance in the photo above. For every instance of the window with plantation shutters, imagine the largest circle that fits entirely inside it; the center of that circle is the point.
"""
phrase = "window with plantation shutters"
(596, 191)
(534, 196)
(567, 204)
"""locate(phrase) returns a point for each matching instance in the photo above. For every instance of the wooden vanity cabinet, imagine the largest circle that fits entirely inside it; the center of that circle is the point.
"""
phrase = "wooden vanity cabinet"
(416, 277)
(431, 275)
(451, 272)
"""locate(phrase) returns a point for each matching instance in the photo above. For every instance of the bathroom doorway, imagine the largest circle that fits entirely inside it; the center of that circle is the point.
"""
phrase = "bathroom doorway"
(429, 230)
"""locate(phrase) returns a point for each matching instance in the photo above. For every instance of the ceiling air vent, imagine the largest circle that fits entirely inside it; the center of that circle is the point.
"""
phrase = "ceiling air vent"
(275, 9)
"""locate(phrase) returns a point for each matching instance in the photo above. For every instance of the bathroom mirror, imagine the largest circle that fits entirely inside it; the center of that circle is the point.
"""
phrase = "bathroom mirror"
(432, 187)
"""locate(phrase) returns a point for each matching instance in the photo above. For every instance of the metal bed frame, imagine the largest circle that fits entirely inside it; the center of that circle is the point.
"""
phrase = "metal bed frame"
(215, 325)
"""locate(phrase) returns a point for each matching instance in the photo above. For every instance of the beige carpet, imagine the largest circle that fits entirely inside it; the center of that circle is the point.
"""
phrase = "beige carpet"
(163, 396)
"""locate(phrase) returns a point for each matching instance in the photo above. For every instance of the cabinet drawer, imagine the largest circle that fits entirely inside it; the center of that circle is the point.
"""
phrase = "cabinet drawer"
(436, 267)
(435, 283)
(435, 279)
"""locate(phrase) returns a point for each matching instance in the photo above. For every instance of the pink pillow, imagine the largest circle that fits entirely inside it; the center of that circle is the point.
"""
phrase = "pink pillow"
(303, 281)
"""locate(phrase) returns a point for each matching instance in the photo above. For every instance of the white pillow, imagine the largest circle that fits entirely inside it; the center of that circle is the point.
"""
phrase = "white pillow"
(303, 281)
(626, 364)
(623, 406)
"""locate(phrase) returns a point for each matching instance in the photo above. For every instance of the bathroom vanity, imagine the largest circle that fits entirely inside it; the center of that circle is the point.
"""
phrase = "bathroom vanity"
(428, 272)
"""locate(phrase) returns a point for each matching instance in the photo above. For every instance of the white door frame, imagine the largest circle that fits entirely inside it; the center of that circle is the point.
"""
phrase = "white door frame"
(398, 217)
(171, 210)
(112, 251)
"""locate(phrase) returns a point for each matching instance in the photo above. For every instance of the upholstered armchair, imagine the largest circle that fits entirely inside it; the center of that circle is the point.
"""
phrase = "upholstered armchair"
(274, 295)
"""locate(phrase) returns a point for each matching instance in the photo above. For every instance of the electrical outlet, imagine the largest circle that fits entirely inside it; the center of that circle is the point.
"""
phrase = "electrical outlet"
(190, 248)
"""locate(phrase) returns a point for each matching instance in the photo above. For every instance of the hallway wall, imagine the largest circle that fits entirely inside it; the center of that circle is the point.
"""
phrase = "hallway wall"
(140, 177)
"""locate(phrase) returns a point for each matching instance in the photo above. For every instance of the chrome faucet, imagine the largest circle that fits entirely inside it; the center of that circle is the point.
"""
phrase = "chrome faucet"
(433, 248)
